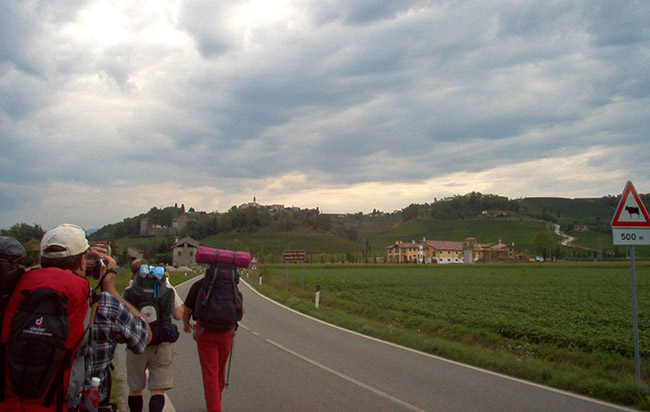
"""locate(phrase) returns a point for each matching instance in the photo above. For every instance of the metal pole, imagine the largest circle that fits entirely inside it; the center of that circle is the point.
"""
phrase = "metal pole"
(232, 348)
(286, 270)
(302, 270)
(637, 355)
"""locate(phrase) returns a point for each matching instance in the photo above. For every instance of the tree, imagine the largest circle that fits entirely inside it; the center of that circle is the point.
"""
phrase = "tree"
(411, 212)
(544, 244)
(23, 232)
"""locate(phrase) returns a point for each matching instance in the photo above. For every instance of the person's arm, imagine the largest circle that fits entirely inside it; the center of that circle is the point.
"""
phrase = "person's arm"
(127, 327)
(108, 286)
(178, 312)
(187, 313)
(190, 301)
(178, 304)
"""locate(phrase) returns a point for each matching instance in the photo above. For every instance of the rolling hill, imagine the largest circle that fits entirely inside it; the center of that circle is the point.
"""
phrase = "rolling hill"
(325, 237)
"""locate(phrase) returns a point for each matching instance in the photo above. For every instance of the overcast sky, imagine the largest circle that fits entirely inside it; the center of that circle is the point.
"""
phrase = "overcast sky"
(109, 108)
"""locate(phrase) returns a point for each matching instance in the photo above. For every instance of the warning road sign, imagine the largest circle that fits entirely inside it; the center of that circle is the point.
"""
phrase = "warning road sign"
(631, 223)
(630, 211)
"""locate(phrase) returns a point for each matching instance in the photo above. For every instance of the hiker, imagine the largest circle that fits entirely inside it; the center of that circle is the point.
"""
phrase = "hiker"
(116, 321)
(158, 356)
(214, 340)
(60, 284)
(13, 258)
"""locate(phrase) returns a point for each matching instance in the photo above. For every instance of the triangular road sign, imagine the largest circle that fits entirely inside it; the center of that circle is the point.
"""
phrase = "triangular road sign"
(630, 211)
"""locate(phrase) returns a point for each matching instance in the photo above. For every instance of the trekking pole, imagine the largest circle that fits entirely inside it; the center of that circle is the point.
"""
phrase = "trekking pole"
(232, 346)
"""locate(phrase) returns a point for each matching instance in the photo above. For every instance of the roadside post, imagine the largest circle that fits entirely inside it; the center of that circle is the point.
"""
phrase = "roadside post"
(317, 300)
(253, 267)
(293, 256)
(631, 227)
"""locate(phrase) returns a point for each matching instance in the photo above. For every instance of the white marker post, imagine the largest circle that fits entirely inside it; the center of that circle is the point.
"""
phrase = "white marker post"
(631, 227)
(317, 296)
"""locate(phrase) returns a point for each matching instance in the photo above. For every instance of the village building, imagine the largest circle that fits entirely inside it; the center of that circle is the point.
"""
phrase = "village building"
(445, 252)
(134, 253)
(150, 229)
(402, 252)
(184, 252)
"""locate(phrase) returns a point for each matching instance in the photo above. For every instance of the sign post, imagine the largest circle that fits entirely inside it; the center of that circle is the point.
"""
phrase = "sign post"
(631, 227)
(293, 256)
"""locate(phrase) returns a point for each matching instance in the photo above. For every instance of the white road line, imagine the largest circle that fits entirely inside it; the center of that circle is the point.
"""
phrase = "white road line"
(347, 378)
(169, 407)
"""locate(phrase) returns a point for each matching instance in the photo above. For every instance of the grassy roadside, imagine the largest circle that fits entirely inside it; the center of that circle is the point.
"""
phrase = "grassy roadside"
(561, 325)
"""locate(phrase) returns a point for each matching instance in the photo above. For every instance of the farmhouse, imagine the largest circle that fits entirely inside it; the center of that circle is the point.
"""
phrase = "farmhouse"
(134, 253)
(184, 252)
(402, 252)
(443, 251)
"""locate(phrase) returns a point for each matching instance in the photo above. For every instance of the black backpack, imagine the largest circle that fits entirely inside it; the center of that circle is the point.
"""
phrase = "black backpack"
(12, 255)
(219, 304)
(150, 294)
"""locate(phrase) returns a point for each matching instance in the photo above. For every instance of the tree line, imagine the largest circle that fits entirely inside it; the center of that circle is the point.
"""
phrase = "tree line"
(203, 224)
(460, 207)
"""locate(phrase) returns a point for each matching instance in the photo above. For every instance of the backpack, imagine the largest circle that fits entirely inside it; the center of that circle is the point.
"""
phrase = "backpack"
(12, 254)
(219, 304)
(150, 294)
(46, 339)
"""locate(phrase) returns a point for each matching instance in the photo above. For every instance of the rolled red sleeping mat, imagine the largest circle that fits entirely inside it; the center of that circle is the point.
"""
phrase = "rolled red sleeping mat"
(210, 255)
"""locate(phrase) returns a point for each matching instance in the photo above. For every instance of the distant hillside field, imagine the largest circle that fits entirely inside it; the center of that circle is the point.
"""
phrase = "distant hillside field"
(521, 232)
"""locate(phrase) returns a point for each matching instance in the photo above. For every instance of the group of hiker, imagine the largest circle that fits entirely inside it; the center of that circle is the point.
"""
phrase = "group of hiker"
(58, 332)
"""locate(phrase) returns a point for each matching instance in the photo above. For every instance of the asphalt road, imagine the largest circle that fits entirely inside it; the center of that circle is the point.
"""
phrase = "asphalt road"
(285, 361)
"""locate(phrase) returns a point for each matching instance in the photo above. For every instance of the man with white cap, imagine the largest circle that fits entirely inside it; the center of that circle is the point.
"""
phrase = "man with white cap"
(64, 257)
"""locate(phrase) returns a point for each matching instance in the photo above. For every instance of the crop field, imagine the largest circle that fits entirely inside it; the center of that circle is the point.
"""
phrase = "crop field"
(567, 325)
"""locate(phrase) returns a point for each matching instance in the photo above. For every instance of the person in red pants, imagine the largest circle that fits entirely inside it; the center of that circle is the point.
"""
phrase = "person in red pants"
(213, 348)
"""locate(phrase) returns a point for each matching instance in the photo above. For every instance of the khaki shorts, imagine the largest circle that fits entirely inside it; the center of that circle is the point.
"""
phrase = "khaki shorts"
(157, 359)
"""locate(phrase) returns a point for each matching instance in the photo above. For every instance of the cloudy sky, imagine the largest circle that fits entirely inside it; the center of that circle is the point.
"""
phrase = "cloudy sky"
(109, 108)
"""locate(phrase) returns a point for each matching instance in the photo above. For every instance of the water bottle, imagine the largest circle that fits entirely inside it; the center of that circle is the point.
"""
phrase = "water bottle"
(92, 393)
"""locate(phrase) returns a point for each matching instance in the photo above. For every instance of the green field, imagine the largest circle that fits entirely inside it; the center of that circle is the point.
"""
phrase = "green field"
(563, 325)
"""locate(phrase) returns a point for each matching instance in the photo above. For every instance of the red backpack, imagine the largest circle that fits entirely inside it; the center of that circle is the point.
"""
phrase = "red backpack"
(45, 340)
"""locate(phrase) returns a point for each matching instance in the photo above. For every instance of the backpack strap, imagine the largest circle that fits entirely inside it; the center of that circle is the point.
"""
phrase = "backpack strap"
(58, 383)
(206, 297)
(238, 301)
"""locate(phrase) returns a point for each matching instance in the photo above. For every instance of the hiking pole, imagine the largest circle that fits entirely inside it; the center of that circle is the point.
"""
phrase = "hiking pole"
(232, 346)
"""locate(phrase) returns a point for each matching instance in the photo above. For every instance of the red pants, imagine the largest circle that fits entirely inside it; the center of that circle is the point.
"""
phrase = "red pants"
(214, 348)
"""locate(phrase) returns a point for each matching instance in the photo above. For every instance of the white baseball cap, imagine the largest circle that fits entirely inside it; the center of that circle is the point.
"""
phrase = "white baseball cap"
(70, 237)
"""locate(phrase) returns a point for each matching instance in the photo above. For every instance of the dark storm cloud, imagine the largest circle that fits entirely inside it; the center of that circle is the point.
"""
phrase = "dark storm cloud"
(250, 96)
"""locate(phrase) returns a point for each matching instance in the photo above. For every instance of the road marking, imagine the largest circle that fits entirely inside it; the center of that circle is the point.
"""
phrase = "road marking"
(346, 377)
(500, 375)
(169, 407)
